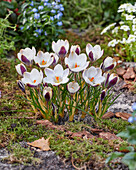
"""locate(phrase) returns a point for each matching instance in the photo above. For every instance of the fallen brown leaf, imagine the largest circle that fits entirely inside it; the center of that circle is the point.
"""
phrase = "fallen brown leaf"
(130, 74)
(41, 143)
(108, 115)
(108, 136)
(123, 116)
(120, 71)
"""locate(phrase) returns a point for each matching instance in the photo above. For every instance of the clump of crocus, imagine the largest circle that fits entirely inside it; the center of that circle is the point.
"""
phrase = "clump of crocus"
(63, 81)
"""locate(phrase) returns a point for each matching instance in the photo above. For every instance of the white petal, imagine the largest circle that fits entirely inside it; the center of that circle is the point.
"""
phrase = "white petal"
(66, 72)
(58, 70)
(49, 72)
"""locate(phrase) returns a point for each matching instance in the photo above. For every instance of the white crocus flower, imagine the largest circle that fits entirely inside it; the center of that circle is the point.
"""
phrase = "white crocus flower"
(76, 49)
(27, 55)
(93, 76)
(110, 79)
(32, 79)
(108, 28)
(47, 93)
(125, 27)
(108, 64)
(60, 47)
(57, 76)
(76, 63)
(131, 38)
(113, 42)
(121, 22)
(55, 58)
(43, 59)
(21, 69)
(94, 53)
(73, 87)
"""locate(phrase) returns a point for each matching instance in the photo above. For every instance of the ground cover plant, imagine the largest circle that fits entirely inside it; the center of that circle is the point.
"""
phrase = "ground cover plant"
(123, 33)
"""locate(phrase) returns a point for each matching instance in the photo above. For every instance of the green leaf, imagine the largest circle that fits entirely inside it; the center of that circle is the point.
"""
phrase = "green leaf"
(123, 134)
(130, 160)
(8, 5)
(113, 156)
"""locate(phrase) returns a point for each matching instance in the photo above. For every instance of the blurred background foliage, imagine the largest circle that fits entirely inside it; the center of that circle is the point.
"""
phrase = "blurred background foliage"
(77, 14)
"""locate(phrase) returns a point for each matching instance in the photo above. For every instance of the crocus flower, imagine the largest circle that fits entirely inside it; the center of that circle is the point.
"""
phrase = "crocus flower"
(93, 76)
(55, 58)
(132, 119)
(43, 59)
(76, 62)
(60, 47)
(21, 86)
(103, 95)
(27, 55)
(111, 80)
(94, 53)
(20, 68)
(32, 79)
(108, 64)
(57, 76)
(47, 93)
(76, 49)
(125, 27)
(73, 87)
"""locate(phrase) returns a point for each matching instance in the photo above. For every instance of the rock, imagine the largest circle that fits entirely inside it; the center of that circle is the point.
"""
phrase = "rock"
(130, 74)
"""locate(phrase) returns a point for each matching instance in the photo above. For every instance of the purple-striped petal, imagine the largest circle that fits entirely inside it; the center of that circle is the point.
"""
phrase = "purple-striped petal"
(25, 60)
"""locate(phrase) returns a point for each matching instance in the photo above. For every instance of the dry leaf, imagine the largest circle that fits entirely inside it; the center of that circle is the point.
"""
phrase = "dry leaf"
(130, 74)
(41, 143)
(108, 136)
(123, 116)
(108, 115)
(120, 71)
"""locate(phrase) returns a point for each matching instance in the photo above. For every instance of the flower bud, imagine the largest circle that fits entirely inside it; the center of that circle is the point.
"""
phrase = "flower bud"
(73, 87)
(20, 68)
(108, 64)
(47, 93)
(113, 79)
(103, 95)
(76, 49)
(21, 85)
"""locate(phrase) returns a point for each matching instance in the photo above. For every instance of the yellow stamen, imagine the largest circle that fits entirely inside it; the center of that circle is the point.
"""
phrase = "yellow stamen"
(91, 79)
(44, 62)
(57, 78)
(76, 65)
(34, 81)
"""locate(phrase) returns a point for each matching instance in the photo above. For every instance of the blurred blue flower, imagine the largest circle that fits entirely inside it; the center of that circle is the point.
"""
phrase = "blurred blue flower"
(46, 43)
(39, 31)
(56, 6)
(36, 16)
(45, 0)
(62, 8)
(21, 28)
(58, 16)
(59, 23)
(134, 106)
(34, 10)
(40, 7)
(51, 18)
(32, 3)
(45, 33)
(53, 3)
(53, 11)
(130, 119)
